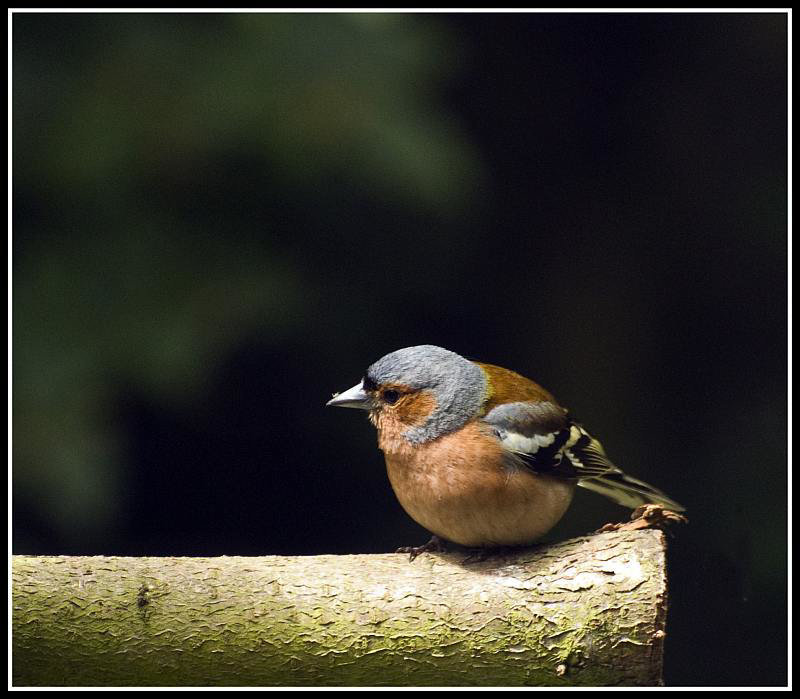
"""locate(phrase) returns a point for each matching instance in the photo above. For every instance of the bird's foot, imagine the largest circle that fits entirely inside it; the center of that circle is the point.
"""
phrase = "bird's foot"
(435, 545)
(650, 516)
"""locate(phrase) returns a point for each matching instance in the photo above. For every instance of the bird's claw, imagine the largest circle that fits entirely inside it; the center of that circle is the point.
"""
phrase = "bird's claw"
(435, 545)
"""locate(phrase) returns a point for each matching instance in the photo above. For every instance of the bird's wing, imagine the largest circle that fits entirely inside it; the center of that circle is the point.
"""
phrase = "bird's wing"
(534, 433)
(541, 436)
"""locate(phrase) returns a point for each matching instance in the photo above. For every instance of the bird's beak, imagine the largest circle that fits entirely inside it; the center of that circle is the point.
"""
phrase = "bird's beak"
(355, 397)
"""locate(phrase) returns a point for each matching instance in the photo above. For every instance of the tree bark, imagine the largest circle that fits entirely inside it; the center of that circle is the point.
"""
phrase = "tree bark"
(589, 611)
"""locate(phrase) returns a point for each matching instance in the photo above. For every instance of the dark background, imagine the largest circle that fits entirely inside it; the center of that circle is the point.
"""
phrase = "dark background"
(219, 220)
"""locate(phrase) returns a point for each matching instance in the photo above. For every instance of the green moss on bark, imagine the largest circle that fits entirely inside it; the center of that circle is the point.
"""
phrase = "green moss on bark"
(589, 611)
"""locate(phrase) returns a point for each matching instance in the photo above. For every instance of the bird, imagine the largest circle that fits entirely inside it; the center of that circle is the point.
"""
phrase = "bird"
(479, 455)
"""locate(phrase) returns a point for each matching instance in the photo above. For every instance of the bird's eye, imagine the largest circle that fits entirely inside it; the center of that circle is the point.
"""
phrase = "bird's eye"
(391, 397)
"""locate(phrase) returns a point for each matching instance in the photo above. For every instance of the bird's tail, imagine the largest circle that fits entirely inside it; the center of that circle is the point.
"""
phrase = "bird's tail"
(628, 491)
(596, 472)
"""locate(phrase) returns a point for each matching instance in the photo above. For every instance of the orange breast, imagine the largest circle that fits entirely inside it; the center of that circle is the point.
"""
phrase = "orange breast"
(460, 488)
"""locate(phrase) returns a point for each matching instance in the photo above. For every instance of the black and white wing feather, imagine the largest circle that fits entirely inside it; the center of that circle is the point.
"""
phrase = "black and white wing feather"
(534, 435)
(542, 437)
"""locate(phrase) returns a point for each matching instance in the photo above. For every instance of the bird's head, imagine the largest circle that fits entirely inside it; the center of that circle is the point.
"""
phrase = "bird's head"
(419, 392)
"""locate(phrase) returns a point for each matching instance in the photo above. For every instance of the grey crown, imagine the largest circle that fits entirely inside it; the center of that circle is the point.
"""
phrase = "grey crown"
(458, 385)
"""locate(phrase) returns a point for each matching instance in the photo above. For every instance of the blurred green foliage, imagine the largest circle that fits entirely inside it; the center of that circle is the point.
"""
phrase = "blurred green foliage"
(109, 284)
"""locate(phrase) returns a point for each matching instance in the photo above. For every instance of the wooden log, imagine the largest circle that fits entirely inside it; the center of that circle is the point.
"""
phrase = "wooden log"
(589, 611)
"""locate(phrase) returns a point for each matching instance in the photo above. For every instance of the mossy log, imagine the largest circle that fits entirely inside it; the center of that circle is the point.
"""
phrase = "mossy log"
(589, 611)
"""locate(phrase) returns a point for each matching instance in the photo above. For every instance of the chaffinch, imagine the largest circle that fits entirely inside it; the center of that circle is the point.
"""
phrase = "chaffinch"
(479, 455)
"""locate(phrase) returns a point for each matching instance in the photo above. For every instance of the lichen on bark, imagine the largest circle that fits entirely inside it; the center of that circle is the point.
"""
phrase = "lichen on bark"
(589, 611)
